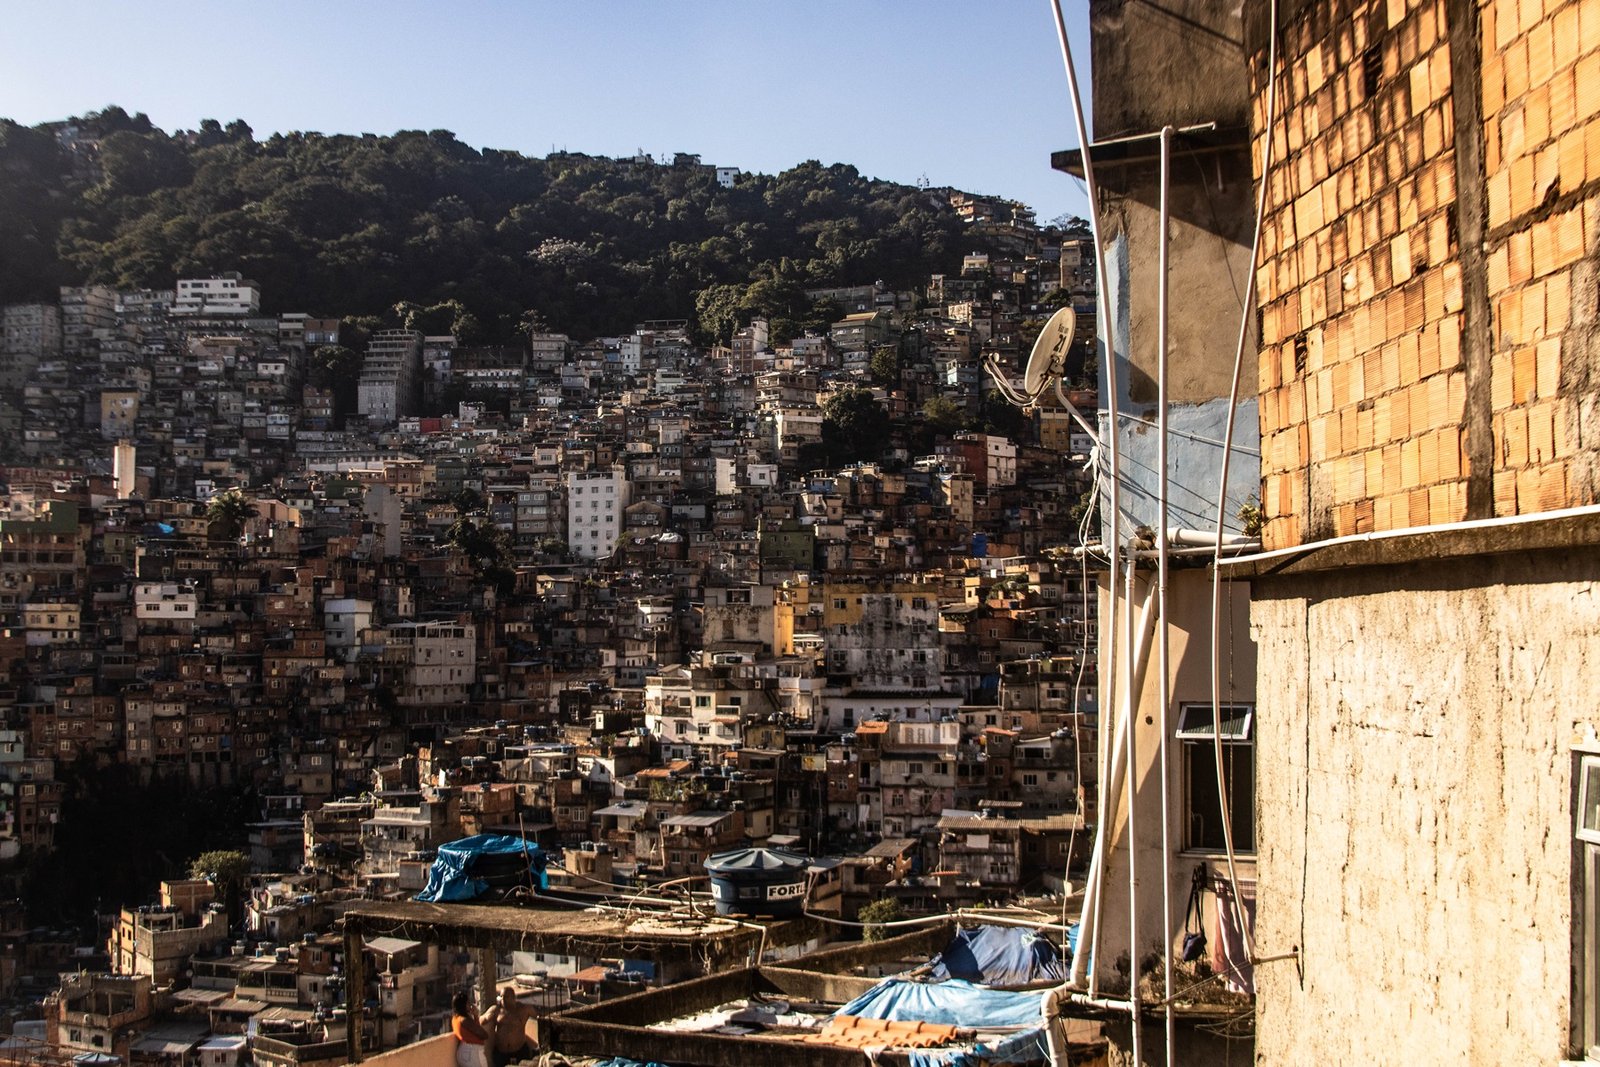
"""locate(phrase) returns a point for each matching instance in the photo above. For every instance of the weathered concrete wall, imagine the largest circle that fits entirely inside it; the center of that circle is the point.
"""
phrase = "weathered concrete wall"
(1416, 729)
(1159, 58)
(1174, 64)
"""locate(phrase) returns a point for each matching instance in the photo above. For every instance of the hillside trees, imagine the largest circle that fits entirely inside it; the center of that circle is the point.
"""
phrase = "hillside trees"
(348, 225)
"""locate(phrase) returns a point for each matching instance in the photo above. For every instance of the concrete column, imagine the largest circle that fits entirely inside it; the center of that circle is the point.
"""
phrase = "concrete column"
(355, 970)
(486, 978)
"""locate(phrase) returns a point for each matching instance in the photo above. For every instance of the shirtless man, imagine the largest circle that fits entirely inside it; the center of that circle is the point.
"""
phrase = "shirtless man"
(510, 1018)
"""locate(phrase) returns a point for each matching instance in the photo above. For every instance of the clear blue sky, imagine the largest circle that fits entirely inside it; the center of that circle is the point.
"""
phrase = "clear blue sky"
(970, 95)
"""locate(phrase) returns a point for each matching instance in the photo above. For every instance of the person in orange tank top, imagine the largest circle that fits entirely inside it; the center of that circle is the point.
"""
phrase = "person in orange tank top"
(470, 1034)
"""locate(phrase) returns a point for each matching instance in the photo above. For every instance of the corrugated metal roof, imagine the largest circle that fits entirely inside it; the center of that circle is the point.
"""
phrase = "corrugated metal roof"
(699, 818)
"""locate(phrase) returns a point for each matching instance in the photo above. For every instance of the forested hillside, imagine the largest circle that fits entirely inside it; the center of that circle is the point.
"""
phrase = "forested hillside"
(351, 225)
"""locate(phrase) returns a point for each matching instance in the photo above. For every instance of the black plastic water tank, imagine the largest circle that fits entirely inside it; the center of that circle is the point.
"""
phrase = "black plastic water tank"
(758, 881)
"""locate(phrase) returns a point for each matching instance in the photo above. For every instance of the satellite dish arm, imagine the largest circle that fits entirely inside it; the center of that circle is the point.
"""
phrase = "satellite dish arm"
(1077, 416)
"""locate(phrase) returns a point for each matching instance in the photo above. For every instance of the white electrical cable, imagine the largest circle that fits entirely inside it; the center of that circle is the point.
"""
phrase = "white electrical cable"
(1226, 815)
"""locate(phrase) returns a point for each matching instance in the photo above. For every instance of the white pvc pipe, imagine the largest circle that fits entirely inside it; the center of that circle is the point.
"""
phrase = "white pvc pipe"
(1178, 535)
(1050, 1017)
(1110, 794)
(1164, 681)
(1108, 391)
(1247, 935)
(1132, 702)
(1104, 1003)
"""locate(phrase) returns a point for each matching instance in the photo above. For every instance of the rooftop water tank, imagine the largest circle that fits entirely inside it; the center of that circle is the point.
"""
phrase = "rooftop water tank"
(758, 881)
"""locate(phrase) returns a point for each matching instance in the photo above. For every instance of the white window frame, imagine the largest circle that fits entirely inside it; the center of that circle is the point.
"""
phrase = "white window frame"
(1587, 765)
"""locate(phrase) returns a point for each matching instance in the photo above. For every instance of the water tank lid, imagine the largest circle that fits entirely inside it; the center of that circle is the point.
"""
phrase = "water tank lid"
(756, 859)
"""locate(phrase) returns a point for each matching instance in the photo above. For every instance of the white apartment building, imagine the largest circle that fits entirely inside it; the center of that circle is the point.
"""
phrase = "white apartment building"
(228, 294)
(595, 500)
(431, 662)
(390, 376)
(165, 602)
(343, 619)
(795, 427)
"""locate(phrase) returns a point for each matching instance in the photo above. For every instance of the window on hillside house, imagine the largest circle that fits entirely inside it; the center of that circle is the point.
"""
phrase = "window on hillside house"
(1202, 808)
(1586, 913)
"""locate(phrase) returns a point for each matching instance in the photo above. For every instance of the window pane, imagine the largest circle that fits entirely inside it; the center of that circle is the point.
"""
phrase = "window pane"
(1203, 810)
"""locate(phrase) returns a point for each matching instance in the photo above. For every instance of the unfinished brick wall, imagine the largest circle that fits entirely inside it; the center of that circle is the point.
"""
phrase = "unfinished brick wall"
(1541, 108)
(1379, 384)
(1362, 388)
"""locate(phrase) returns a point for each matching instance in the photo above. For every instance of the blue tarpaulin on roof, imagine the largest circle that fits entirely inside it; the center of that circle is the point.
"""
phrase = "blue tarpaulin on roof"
(999, 956)
(953, 1003)
(456, 873)
(1029, 1046)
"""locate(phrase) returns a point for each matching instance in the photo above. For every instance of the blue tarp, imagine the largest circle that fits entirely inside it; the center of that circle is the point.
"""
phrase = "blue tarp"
(453, 876)
(999, 956)
(953, 1003)
(1029, 1046)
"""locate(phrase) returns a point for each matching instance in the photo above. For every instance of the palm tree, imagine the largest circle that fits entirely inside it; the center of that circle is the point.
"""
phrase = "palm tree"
(228, 512)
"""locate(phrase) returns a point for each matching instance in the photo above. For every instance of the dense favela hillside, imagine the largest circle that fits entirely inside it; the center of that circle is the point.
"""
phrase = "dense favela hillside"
(362, 495)
(588, 243)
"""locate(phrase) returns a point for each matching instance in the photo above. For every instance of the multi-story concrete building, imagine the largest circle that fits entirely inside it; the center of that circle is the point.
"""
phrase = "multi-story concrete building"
(98, 1014)
(547, 352)
(29, 335)
(1426, 383)
(883, 635)
(390, 376)
(158, 941)
(595, 502)
(228, 294)
(428, 663)
(1424, 602)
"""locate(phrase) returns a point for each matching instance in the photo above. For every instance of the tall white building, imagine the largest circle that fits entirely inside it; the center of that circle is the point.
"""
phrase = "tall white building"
(227, 294)
(390, 376)
(595, 500)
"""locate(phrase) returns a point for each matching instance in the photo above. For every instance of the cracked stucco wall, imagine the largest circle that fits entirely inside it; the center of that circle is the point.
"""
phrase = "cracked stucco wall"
(1416, 732)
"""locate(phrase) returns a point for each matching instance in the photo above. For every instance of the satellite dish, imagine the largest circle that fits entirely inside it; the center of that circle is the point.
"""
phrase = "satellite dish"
(1049, 356)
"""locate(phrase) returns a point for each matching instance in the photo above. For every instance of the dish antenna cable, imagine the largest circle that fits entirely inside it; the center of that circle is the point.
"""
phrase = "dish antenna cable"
(1046, 365)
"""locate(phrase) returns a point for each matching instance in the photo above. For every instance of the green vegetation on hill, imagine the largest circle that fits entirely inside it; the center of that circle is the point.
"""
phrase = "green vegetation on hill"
(352, 224)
